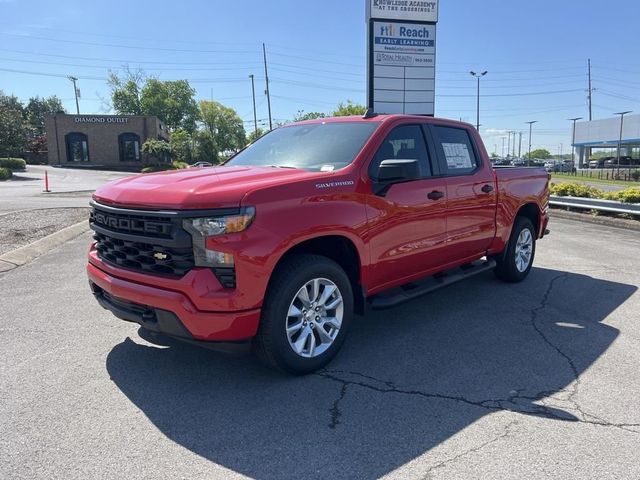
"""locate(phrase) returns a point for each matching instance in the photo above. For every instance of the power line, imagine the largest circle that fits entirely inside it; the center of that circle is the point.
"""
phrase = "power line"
(135, 47)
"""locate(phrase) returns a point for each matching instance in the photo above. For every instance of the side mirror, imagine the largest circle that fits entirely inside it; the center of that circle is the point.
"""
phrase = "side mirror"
(393, 171)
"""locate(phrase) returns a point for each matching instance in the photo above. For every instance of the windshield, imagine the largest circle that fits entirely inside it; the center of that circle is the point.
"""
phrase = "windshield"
(316, 147)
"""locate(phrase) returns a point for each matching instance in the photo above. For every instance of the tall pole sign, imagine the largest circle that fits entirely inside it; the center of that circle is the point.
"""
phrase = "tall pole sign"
(401, 61)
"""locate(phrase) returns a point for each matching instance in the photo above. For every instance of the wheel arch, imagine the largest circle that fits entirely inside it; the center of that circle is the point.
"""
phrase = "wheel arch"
(532, 212)
(341, 250)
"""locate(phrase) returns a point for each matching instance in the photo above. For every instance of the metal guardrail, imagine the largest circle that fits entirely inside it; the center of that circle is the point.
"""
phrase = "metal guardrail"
(596, 204)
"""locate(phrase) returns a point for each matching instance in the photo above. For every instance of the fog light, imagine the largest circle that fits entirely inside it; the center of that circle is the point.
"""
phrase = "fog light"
(219, 259)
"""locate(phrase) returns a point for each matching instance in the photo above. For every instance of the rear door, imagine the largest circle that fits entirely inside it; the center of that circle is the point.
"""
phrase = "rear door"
(471, 192)
(407, 223)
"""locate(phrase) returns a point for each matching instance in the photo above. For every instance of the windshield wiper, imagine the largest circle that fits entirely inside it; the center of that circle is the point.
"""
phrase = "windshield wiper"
(283, 166)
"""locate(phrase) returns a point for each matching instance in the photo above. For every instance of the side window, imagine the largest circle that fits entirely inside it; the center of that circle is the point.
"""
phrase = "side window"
(403, 143)
(457, 150)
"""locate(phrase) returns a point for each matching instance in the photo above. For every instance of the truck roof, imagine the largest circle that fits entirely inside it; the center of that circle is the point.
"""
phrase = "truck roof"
(383, 118)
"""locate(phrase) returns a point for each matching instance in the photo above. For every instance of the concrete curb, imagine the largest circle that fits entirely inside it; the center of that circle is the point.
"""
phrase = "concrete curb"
(23, 255)
(598, 220)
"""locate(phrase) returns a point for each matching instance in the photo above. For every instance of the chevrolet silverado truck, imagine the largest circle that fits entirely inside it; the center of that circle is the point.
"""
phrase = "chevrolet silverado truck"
(316, 221)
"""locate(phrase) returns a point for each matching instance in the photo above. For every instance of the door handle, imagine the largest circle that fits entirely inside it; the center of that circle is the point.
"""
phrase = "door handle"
(435, 195)
(487, 188)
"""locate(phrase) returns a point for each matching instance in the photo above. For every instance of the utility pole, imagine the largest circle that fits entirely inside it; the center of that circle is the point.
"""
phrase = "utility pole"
(561, 152)
(478, 76)
(266, 77)
(622, 114)
(75, 91)
(520, 146)
(509, 144)
(590, 89)
(513, 147)
(573, 140)
(503, 147)
(255, 117)
(529, 157)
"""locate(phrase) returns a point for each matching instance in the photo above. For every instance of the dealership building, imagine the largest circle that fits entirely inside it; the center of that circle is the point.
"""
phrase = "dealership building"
(101, 140)
(605, 133)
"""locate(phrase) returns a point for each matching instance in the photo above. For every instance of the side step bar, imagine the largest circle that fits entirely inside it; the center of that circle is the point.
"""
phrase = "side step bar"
(404, 293)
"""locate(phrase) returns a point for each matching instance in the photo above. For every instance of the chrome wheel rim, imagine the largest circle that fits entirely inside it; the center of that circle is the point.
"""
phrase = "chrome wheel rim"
(524, 250)
(314, 317)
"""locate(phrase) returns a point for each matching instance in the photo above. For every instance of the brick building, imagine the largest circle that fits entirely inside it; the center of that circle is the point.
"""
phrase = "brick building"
(101, 140)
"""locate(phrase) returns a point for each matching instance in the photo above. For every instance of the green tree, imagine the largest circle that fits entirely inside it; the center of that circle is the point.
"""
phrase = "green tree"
(37, 109)
(182, 145)
(541, 153)
(255, 134)
(224, 125)
(349, 108)
(126, 91)
(300, 116)
(206, 149)
(13, 132)
(171, 101)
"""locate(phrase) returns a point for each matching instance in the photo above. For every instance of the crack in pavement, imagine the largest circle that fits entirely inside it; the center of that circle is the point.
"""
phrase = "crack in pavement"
(511, 403)
(505, 433)
(335, 410)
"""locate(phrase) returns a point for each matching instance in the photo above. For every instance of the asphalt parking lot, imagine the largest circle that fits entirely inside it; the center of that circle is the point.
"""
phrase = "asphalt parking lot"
(481, 380)
(68, 187)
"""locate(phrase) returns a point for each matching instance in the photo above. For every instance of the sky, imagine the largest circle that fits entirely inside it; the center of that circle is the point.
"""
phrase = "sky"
(535, 53)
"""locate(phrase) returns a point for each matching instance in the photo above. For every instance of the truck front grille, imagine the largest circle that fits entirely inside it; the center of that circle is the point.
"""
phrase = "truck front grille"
(151, 242)
(143, 256)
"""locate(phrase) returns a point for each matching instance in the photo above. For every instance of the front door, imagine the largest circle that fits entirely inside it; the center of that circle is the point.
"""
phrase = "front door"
(407, 224)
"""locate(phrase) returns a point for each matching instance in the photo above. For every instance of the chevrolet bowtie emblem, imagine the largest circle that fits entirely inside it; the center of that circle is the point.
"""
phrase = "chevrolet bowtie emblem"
(160, 256)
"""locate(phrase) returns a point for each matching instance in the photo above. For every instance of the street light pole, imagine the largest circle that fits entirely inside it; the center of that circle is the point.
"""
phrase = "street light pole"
(502, 147)
(622, 114)
(529, 157)
(75, 92)
(573, 139)
(509, 144)
(478, 75)
(255, 117)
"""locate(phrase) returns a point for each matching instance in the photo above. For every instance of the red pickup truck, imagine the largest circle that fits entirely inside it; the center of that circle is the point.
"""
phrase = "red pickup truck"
(311, 224)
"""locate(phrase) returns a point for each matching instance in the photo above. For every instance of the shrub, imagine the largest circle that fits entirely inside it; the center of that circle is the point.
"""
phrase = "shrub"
(13, 163)
(629, 195)
(161, 167)
(5, 173)
(568, 189)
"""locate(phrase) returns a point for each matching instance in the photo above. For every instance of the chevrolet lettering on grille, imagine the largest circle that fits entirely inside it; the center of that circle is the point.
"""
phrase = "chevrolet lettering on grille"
(133, 225)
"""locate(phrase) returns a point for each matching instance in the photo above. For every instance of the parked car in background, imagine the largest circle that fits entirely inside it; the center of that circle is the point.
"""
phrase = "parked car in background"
(201, 164)
(603, 162)
(625, 161)
(501, 162)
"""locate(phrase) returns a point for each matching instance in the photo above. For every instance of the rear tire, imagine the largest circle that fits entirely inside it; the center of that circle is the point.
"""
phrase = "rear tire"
(306, 314)
(515, 263)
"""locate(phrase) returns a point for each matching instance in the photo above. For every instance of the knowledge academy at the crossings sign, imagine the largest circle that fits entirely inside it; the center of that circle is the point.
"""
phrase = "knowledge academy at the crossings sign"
(401, 56)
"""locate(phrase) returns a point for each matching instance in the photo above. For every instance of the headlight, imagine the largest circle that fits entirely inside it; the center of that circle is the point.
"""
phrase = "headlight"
(201, 228)
(212, 226)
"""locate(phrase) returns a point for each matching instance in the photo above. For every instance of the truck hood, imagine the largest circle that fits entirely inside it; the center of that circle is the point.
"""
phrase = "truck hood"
(194, 188)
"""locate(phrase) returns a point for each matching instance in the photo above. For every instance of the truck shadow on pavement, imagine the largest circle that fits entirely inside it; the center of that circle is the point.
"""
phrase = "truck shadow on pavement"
(406, 380)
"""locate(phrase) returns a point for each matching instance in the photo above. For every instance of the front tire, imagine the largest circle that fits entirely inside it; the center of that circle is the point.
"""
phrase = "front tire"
(306, 314)
(515, 263)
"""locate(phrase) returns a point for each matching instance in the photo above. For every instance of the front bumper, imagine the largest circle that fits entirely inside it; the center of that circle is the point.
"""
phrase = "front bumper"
(169, 312)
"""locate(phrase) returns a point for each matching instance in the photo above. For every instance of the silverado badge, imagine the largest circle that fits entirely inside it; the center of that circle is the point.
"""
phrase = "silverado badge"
(160, 256)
